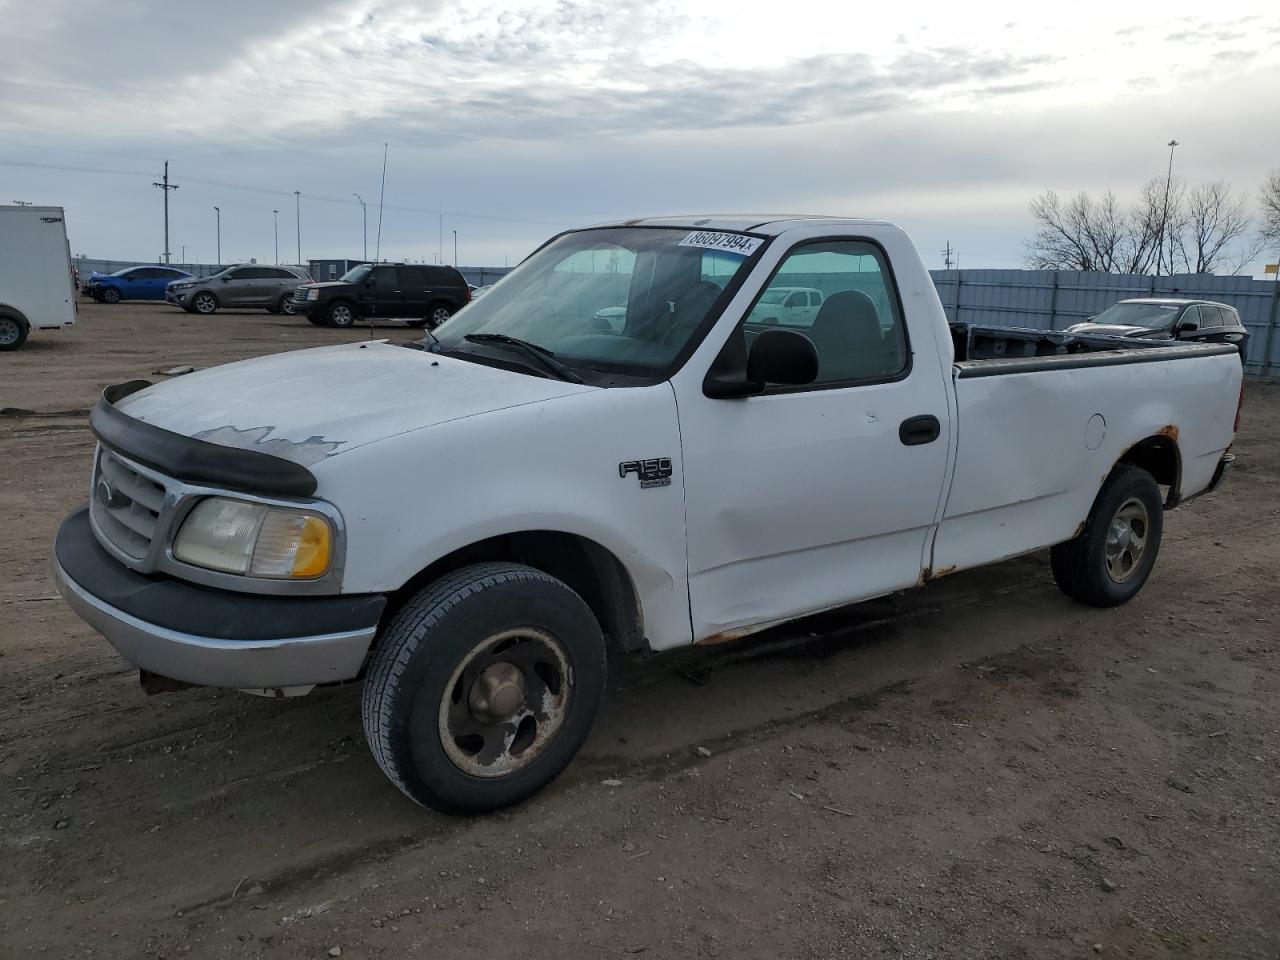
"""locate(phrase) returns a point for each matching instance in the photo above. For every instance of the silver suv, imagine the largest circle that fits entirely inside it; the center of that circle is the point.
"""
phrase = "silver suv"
(244, 285)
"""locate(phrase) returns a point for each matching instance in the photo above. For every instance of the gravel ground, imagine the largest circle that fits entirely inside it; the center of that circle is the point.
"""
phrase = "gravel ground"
(977, 768)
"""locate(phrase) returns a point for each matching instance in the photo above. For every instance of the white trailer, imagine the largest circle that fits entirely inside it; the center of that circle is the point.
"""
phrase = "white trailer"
(36, 292)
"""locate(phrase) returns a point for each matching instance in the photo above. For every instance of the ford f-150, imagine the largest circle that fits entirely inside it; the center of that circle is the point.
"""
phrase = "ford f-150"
(468, 525)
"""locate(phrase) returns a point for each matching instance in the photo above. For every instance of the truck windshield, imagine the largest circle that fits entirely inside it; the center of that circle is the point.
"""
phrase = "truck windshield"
(356, 274)
(1153, 316)
(655, 287)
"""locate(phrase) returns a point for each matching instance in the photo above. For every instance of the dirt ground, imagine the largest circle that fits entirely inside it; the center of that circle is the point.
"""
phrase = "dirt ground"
(979, 768)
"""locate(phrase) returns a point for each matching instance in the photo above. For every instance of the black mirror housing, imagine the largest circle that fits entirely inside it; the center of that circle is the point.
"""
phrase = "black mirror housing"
(782, 356)
(776, 356)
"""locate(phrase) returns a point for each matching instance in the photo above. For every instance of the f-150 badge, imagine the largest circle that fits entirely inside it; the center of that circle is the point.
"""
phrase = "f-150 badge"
(655, 472)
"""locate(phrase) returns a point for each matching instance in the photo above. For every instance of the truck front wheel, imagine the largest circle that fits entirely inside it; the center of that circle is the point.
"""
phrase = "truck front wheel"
(483, 688)
(13, 332)
(1107, 564)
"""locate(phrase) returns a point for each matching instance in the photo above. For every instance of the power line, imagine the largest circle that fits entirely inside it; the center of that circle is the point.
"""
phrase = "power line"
(272, 191)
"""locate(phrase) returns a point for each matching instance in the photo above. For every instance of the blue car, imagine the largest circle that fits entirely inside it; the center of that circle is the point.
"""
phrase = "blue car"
(133, 283)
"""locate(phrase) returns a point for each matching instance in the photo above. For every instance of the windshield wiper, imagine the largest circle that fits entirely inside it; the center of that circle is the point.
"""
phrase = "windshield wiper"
(545, 358)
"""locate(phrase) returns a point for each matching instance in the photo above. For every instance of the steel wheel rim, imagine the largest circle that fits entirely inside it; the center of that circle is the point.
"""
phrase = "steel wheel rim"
(342, 316)
(9, 331)
(491, 724)
(204, 303)
(1127, 539)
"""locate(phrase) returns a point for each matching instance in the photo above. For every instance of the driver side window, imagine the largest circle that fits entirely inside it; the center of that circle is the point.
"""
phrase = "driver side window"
(857, 330)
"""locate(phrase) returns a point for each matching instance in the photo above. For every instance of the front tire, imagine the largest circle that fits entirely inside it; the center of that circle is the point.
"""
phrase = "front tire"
(204, 303)
(341, 314)
(484, 687)
(109, 295)
(1108, 563)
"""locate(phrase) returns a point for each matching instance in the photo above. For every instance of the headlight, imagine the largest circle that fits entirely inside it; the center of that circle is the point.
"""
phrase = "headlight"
(313, 294)
(255, 540)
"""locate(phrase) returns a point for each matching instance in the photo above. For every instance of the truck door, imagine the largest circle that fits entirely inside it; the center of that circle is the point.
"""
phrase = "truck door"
(801, 499)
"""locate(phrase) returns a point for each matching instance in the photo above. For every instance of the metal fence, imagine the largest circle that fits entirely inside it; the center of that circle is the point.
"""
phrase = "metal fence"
(1055, 299)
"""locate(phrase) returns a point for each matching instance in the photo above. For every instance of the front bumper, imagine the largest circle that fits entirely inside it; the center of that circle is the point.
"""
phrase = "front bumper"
(178, 297)
(212, 637)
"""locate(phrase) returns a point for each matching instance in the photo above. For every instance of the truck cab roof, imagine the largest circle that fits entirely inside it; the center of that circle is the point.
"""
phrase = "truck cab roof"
(768, 224)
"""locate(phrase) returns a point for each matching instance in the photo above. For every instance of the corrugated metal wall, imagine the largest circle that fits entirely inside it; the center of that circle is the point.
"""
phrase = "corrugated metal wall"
(1053, 300)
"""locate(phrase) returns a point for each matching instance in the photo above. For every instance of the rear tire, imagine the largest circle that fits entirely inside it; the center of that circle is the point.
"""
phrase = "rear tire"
(484, 687)
(13, 332)
(437, 314)
(1108, 563)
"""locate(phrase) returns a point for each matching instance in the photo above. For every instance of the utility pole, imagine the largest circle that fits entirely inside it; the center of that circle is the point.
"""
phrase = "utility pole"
(946, 257)
(455, 248)
(166, 186)
(1164, 219)
(297, 209)
(275, 217)
(440, 241)
(364, 223)
(218, 213)
(184, 253)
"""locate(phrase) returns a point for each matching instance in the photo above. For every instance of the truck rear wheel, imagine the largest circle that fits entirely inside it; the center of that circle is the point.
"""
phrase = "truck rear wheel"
(484, 687)
(13, 332)
(1107, 564)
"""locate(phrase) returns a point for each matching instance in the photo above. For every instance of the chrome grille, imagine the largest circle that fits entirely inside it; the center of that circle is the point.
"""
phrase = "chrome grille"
(125, 505)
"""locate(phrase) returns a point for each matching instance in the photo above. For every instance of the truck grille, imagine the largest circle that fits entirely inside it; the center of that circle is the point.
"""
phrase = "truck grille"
(125, 505)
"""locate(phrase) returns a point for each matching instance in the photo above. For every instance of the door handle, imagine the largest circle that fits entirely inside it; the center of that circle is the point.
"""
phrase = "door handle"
(917, 430)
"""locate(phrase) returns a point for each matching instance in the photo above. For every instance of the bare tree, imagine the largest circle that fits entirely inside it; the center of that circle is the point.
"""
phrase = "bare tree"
(1082, 234)
(1214, 235)
(1270, 203)
(1204, 230)
(1088, 234)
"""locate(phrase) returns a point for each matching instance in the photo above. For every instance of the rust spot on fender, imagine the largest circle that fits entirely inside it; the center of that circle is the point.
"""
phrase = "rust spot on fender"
(1079, 530)
(1170, 431)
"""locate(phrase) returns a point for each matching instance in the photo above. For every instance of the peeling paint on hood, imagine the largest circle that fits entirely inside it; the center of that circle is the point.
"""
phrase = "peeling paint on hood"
(308, 405)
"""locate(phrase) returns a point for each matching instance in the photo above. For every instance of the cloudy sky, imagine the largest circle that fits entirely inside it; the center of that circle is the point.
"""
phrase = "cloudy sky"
(521, 118)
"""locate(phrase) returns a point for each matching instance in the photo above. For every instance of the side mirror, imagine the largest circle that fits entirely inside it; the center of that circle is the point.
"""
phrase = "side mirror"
(1187, 326)
(226, 279)
(777, 356)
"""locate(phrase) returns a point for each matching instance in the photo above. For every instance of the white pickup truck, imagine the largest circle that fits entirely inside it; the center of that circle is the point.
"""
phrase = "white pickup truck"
(468, 525)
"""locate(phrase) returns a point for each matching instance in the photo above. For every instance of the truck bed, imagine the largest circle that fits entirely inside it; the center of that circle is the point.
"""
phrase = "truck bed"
(991, 351)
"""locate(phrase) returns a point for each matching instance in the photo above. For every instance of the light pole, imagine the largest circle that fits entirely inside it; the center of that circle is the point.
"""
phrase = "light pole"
(364, 224)
(455, 248)
(1164, 223)
(297, 209)
(218, 213)
(275, 218)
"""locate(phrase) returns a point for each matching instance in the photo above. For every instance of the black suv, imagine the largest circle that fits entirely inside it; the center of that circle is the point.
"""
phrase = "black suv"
(419, 294)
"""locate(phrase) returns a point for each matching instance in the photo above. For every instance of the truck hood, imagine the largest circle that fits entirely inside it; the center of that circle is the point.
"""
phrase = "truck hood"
(1116, 330)
(307, 405)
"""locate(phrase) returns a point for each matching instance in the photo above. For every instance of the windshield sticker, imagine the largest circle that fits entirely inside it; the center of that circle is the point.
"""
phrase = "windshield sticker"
(736, 243)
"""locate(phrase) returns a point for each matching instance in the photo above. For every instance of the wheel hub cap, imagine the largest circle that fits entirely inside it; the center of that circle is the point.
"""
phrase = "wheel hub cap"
(1127, 540)
(505, 702)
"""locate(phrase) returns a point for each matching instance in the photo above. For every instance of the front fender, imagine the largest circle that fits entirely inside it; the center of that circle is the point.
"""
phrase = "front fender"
(552, 465)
